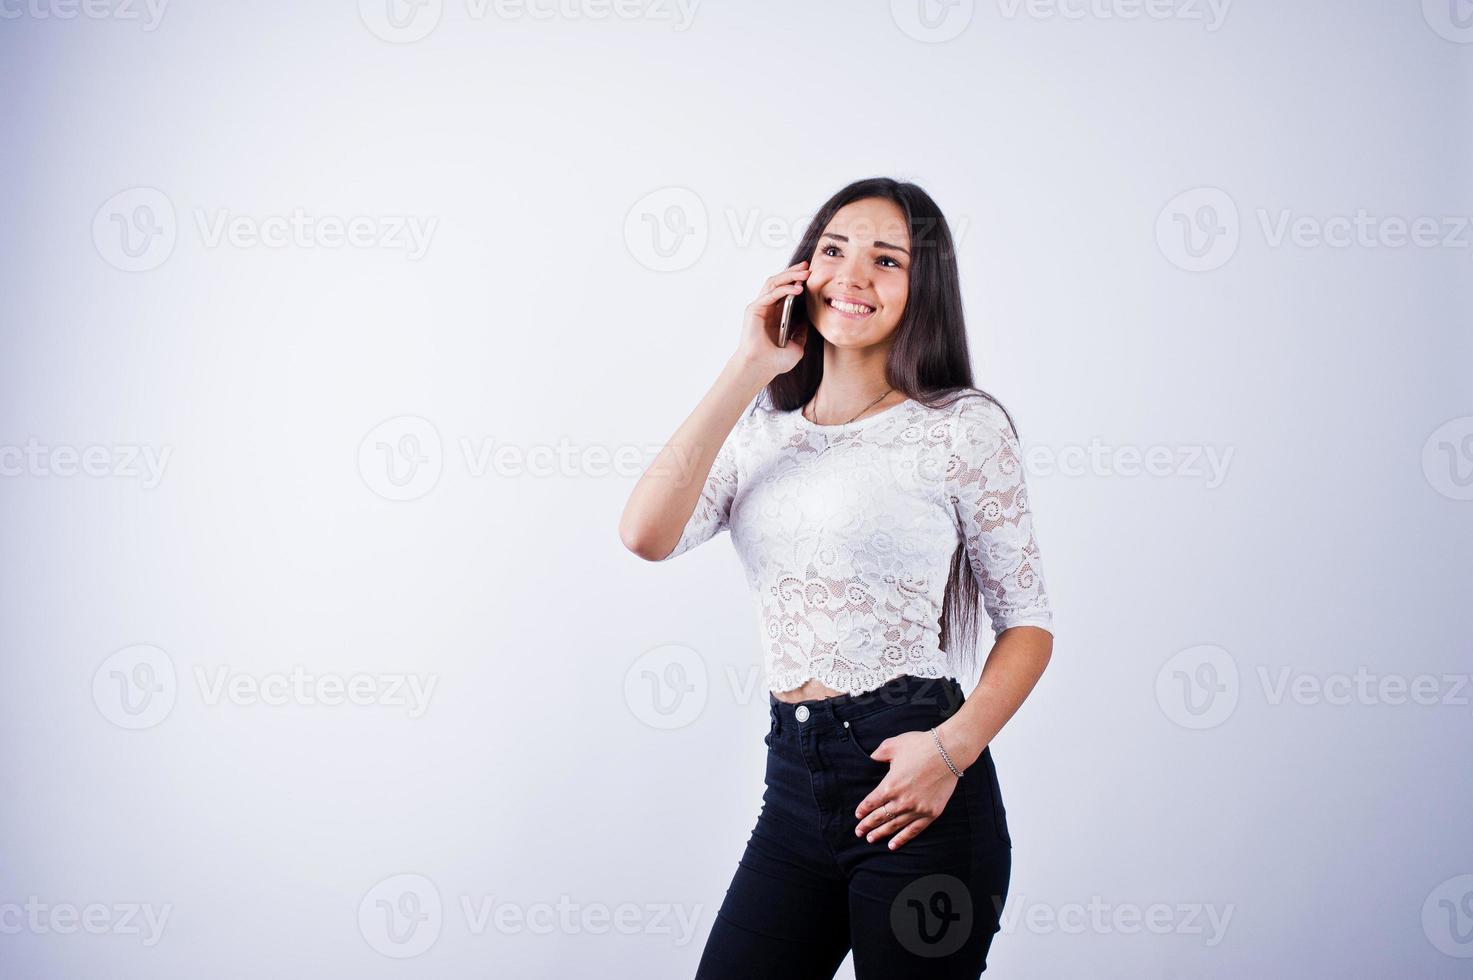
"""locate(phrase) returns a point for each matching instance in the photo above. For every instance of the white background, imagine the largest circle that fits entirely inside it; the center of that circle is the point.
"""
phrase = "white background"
(1067, 145)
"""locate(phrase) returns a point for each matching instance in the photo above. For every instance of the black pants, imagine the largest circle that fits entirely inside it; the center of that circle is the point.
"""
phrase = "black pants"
(807, 890)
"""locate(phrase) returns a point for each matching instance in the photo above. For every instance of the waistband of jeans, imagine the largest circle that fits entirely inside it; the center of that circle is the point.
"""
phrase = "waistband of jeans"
(906, 689)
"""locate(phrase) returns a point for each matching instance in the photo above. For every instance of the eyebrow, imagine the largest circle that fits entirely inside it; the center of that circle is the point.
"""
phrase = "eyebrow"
(878, 243)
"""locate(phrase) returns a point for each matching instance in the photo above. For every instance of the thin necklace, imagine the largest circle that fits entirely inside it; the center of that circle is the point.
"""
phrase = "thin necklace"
(856, 414)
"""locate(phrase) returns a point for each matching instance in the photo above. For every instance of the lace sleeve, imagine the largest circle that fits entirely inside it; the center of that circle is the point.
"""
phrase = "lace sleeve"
(985, 483)
(713, 508)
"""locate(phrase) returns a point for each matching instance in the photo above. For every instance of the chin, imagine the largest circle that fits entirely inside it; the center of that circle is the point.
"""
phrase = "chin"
(848, 334)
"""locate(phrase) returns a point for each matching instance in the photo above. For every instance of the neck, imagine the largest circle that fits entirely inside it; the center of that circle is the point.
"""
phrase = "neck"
(852, 379)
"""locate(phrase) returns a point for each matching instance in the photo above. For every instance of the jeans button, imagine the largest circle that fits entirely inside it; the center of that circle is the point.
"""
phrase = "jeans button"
(802, 712)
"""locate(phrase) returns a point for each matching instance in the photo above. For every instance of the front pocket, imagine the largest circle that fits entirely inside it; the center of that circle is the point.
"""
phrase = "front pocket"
(865, 733)
(859, 738)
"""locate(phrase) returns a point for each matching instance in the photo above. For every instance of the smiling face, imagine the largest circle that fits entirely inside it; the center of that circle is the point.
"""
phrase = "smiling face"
(862, 264)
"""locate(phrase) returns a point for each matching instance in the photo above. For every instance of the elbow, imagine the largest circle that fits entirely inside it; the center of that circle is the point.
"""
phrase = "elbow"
(638, 542)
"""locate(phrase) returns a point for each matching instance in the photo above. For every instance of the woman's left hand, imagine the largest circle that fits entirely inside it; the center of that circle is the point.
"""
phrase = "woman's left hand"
(916, 789)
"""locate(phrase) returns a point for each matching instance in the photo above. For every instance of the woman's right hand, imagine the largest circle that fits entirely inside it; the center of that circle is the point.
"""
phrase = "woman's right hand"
(758, 350)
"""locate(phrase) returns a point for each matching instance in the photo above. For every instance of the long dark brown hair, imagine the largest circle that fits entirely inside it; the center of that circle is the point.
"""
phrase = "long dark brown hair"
(929, 360)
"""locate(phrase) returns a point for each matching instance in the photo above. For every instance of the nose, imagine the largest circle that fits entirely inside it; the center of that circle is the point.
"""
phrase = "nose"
(852, 273)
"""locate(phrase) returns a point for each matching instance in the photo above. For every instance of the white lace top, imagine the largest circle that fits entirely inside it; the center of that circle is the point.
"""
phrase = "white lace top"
(847, 533)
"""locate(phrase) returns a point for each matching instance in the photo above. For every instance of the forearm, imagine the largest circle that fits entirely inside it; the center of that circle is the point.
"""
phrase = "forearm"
(1013, 667)
(665, 495)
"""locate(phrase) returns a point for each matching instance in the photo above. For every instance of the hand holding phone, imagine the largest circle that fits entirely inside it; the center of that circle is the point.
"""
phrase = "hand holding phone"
(773, 334)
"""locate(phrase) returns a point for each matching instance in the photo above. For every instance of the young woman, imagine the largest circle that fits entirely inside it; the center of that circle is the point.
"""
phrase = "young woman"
(873, 496)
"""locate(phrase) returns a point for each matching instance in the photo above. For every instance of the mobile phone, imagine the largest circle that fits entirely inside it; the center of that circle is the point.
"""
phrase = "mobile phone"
(785, 327)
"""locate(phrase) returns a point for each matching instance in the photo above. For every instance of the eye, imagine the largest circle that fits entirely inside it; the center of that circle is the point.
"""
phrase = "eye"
(830, 250)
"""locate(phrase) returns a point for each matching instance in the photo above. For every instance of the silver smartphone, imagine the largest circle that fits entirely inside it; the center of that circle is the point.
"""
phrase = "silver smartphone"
(785, 327)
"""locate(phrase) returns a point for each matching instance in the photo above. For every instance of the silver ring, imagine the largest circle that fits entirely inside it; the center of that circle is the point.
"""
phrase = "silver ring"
(887, 812)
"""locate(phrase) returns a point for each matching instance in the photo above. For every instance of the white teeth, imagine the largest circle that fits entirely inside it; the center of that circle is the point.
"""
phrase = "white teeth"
(849, 307)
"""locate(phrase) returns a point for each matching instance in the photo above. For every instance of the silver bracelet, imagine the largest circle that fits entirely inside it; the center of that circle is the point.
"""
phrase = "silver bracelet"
(937, 737)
